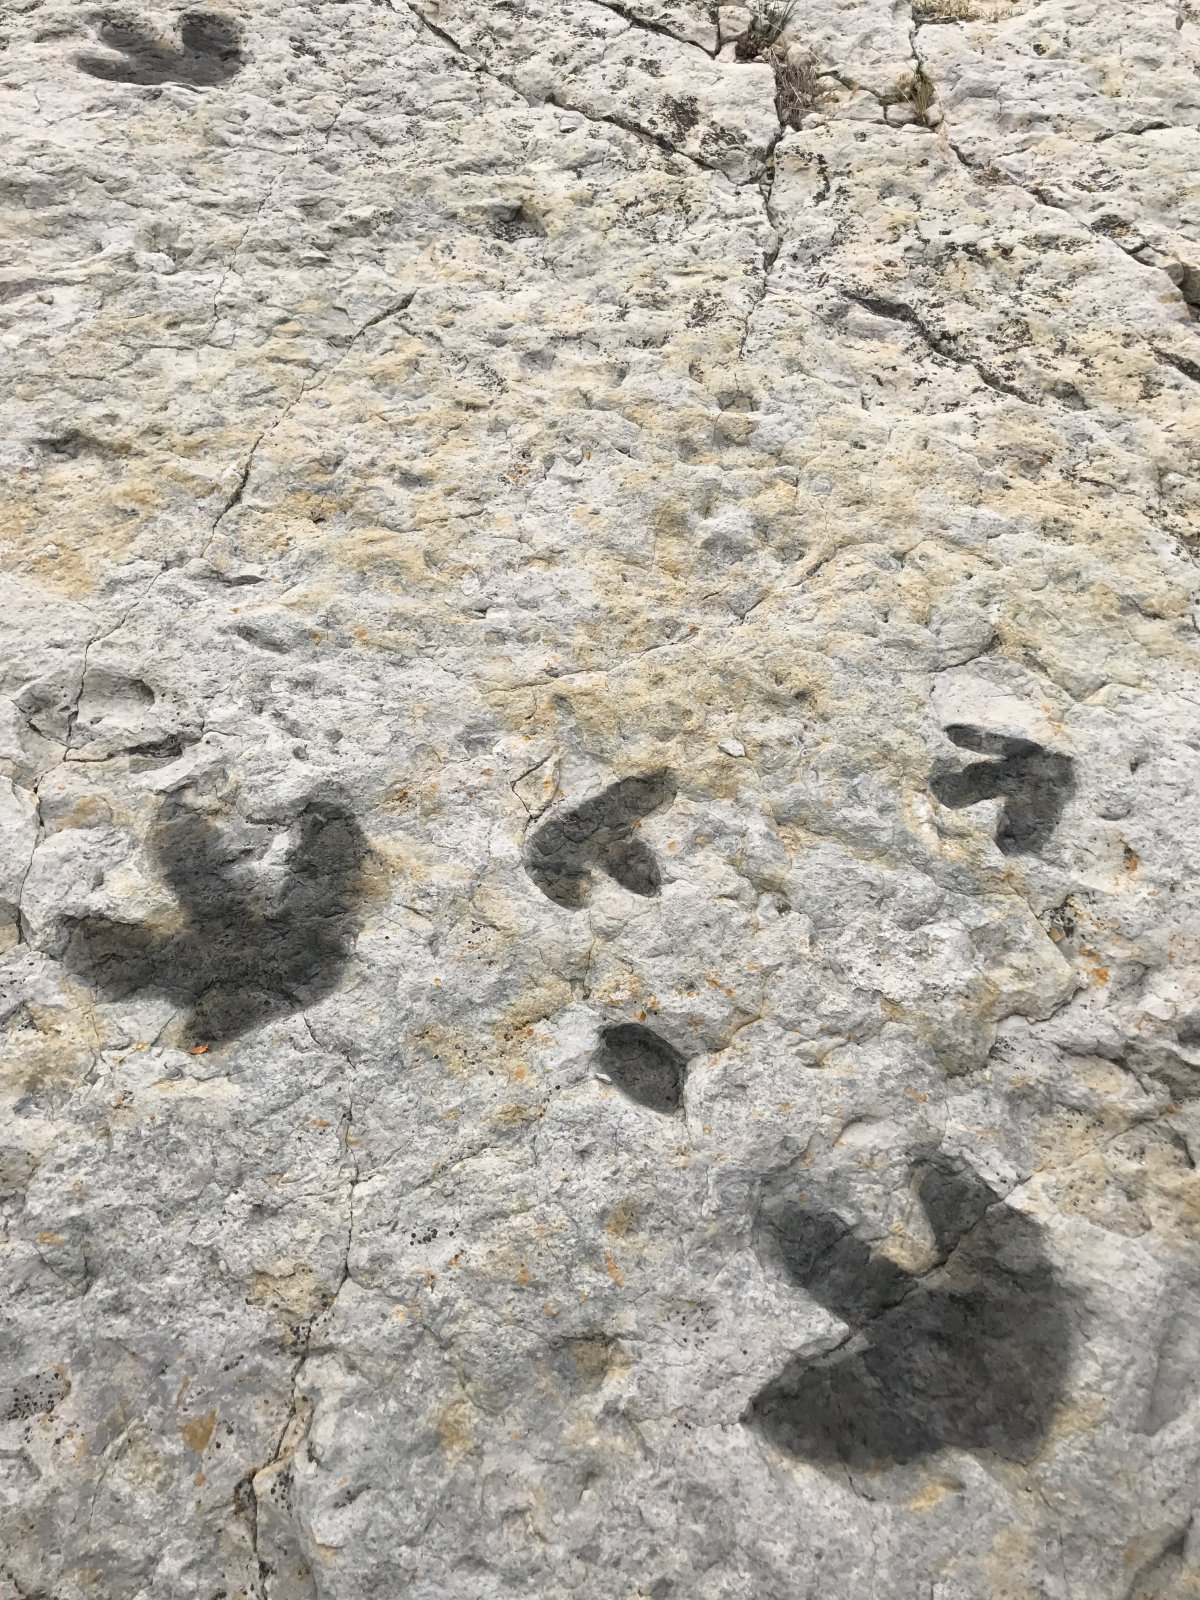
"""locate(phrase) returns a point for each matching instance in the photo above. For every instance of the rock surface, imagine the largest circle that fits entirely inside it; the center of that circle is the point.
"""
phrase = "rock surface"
(600, 880)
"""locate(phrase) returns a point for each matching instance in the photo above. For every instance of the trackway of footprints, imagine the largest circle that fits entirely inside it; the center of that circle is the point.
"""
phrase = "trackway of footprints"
(970, 1353)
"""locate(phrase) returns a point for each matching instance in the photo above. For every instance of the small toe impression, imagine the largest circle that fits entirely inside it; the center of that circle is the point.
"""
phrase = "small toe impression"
(644, 1067)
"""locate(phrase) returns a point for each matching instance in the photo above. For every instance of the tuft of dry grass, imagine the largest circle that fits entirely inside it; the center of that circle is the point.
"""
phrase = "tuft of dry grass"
(942, 11)
(798, 87)
(768, 23)
(917, 90)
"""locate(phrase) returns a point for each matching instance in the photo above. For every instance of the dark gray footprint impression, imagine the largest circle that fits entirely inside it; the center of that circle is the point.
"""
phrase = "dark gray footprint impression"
(561, 855)
(209, 52)
(644, 1067)
(1034, 783)
(973, 1354)
(240, 956)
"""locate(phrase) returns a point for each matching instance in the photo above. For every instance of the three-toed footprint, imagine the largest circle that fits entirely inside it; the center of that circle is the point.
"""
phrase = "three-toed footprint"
(600, 833)
(240, 955)
(1033, 782)
(209, 52)
(971, 1353)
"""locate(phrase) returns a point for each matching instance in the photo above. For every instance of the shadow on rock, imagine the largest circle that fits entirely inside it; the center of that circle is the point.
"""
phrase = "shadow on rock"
(209, 53)
(1034, 783)
(600, 833)
(243, 955)
(973, 1354)
(643, 1066)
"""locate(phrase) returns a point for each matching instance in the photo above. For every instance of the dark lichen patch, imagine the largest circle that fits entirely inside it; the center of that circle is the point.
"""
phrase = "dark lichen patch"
(209, 52)
(562, 853)
(515, 222)
(242, 955)
(34, 1396)
(643, 1066)
(1034, 783)
(684, 113)
(69, 444)
(973, 1354)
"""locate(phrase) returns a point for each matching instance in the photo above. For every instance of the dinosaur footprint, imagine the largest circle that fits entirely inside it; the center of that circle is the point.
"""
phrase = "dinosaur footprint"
(643, 1066)
(972, 1354)
(600, 833)
(1034, 783)
(239, 957)
(209, 52)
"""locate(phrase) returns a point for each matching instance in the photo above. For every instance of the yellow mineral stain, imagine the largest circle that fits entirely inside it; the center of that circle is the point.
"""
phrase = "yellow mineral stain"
(453, 1428)
(932, 1495)
(514, 1115)
(199, 1431)
(613, 1270)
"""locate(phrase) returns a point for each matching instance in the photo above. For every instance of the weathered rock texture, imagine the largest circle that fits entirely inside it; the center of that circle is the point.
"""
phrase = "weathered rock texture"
(600, 886)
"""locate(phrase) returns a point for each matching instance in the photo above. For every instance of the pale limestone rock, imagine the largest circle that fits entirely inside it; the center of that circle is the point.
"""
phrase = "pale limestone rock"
(601, 946)
(18, 836)
(1093, 108)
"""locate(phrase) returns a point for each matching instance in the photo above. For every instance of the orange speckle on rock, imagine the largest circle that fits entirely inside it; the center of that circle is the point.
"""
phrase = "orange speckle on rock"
(613, 1270)
(199, 1050)
(524, 1277)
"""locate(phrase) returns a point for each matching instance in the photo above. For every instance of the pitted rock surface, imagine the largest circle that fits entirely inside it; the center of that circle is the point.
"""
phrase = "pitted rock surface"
(600, 890)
